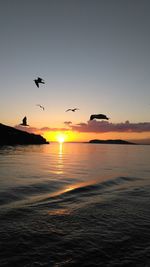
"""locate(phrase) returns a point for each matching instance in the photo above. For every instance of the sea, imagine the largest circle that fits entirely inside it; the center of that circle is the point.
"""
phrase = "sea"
(75, 204)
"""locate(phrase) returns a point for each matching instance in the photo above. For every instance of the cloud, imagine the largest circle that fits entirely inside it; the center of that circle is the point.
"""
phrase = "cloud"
(68, 122)
(29, 129)
(49, 129)
(93, 127)
(104, 127)
(39, 130)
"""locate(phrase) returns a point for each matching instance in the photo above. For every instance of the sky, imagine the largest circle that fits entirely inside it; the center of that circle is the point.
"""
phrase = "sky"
(92, 54)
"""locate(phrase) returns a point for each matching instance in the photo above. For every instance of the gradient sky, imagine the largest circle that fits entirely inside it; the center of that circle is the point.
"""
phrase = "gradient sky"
(92, 54)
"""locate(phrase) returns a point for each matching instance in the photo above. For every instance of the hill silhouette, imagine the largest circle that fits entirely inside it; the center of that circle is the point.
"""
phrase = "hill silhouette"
(111, 141)
(12, 136)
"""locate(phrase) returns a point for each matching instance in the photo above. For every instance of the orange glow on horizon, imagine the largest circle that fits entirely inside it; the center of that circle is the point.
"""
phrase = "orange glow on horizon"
(60, 136)
(70, 136)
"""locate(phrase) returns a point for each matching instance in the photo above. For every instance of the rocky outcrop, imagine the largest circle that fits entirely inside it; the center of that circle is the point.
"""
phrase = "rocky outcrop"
(12, 136)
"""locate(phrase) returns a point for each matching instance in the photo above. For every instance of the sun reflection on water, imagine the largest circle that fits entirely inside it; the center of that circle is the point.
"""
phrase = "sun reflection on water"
(59, 212)
(60, 159)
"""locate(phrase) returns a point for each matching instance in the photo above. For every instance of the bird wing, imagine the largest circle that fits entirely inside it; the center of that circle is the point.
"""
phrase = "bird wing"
(68, 109)
(24, 121)
(40, 106)
(40, 80)
(36, 82)
(91, 117)
(99, 116)
(102, 116)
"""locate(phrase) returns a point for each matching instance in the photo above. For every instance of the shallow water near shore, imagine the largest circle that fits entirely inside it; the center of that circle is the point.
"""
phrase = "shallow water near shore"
(75, 205)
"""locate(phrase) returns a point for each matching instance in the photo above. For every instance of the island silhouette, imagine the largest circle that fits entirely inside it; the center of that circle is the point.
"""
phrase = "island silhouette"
(111, 141)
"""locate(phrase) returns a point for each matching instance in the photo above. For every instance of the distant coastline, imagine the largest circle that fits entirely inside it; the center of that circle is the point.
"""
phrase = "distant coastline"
(11, 136)
(111, 141)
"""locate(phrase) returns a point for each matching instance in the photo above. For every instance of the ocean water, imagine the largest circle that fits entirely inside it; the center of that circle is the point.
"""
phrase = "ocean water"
(75, 205)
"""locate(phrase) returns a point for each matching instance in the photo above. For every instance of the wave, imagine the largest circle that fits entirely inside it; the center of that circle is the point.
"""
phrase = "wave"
(63, 190)
(24, 191)
(76, 192)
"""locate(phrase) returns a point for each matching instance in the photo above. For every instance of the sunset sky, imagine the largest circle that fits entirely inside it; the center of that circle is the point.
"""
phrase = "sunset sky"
(92, 54)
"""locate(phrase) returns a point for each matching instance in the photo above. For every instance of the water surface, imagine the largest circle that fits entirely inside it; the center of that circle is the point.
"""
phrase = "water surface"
(75, 204)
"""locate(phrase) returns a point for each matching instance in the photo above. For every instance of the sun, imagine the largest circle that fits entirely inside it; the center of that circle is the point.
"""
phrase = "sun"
(60, 139)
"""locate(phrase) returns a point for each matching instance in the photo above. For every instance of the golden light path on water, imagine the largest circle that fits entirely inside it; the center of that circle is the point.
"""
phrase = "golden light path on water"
(68, 169)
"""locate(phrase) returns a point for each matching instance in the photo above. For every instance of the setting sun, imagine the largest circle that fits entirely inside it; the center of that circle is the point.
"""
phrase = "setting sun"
(61, 139)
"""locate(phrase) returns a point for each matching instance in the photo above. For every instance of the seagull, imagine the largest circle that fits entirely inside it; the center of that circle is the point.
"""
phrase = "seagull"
(72, 109)
(98, 116)
(41, 106)
(24, 122)
(38, 80)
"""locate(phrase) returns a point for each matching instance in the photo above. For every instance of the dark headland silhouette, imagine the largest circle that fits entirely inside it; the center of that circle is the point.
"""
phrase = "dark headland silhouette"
(111, 141)
(13, 136)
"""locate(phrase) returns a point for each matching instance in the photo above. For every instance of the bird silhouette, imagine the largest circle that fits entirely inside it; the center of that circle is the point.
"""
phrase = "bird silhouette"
(24, 122)
(98, 116)
(72, 109)
(38, 80)
(41, 106)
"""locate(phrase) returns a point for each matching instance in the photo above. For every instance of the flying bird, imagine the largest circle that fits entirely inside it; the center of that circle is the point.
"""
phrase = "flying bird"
(72, 109)
(98, 116)
(41, 106)
(24, 122)
(38, 80)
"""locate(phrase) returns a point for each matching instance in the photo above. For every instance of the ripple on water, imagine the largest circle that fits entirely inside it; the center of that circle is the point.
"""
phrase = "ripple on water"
(92, 214)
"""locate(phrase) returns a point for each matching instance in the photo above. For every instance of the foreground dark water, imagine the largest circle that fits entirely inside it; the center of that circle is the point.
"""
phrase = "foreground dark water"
(75, 205)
